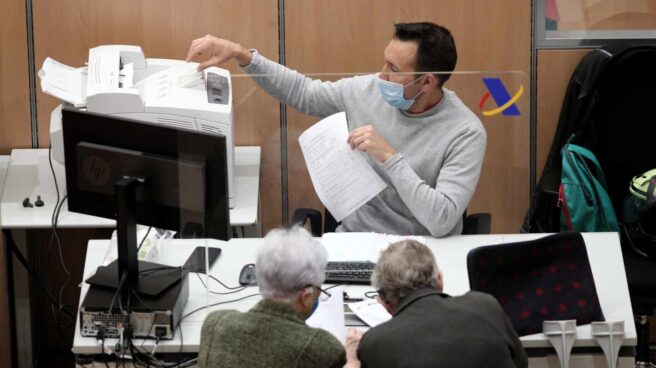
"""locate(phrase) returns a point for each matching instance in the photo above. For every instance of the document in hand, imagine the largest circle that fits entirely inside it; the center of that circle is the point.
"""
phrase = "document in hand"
(342, 177)
(370, 311)
(329, 315)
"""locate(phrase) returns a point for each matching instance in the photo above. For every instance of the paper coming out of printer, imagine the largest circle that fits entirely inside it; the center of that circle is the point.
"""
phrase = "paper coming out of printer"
(64, 82)
(70, 84)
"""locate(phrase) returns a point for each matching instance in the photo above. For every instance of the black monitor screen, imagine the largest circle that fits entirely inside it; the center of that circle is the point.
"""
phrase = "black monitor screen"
(183, 173)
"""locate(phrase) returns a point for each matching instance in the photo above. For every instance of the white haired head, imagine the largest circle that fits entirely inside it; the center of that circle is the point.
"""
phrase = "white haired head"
(404, 267)
(288, 261)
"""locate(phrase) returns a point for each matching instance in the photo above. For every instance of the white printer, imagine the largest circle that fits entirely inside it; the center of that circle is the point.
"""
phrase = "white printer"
(120, 81)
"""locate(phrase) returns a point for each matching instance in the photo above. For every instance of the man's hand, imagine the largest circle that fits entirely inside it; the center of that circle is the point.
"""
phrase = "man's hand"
(219, 51)
(367, 139)
(353, 338)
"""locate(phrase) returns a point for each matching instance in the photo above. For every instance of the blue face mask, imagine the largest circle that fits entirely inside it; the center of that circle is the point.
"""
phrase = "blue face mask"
(393, 93)
(314, 306)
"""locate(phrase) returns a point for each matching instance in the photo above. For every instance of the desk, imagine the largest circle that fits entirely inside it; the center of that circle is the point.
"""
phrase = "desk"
(29, 175)
(603, 250)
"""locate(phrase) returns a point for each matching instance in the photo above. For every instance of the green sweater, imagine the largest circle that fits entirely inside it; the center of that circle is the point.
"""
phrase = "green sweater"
(271, 334)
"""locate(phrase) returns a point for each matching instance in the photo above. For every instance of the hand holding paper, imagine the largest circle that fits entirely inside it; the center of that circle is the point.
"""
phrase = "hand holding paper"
(342, 177)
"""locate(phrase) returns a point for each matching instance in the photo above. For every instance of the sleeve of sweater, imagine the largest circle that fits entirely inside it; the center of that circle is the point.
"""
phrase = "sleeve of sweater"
(206, 337)
(323, 350)
(439, 208)
(310, 96)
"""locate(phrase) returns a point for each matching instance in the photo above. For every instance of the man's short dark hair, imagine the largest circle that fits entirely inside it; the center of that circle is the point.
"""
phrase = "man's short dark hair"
(436, 49)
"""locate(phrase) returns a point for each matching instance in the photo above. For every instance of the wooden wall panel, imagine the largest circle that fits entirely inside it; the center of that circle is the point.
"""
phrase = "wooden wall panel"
(66, 29)
(14, 122)
(15, 126)
(555, 68)
(348, 36)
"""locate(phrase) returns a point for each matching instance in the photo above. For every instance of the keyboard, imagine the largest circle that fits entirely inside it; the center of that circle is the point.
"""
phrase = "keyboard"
(349, 272)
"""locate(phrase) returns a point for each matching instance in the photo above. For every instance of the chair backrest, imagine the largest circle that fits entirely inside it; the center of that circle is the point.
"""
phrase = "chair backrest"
(538, 280)
(477, 223)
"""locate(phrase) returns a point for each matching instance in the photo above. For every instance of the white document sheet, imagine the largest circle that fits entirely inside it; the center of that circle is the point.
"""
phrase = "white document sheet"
(64, 82)
(370, 311)
(345, 247)
(342, 177)
(329, 315)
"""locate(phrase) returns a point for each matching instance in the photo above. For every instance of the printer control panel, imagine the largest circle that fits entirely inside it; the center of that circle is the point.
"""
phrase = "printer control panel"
(218, 89)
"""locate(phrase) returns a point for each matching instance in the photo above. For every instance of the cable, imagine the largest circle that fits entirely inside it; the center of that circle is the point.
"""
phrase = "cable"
(54, 222)
(215, 304)
(333, 286)
(23, 261)
(54, 176)
(217, 293)
(144, 238)
(118, 290)
(228, 287)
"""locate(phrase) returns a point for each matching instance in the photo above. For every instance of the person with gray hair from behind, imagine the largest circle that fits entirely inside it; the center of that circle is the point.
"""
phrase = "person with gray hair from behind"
(430, 328)
(290, 268)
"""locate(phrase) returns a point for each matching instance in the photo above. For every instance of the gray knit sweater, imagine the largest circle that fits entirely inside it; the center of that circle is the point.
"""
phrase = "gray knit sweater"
(440, 152)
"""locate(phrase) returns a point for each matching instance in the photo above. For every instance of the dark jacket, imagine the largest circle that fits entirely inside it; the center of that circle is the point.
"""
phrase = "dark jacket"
(271, 334)
(434, 330)
(543, 214)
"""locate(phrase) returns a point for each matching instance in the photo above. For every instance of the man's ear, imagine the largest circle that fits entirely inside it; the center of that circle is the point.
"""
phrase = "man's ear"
(306, 297)
(440, 281)
(429, 82)
(388, 307)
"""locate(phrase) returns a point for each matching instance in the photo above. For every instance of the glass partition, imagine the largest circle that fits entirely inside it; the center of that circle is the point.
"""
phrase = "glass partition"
(500, 100)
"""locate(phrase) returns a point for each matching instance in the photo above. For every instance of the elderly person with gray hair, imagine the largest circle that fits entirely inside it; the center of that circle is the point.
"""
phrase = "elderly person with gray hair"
(430, 328)
(290, 269)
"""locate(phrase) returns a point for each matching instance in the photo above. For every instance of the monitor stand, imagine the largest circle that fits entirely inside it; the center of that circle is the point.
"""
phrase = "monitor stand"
(139, 276)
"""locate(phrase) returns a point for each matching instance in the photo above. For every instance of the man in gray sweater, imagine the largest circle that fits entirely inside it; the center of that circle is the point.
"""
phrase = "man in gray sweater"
(420, 137)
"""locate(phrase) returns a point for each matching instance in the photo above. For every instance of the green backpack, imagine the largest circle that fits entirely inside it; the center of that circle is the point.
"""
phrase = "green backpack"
(583, 200)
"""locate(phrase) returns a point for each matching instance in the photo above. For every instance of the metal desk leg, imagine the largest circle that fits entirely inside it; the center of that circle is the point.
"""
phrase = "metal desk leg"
(11, 300)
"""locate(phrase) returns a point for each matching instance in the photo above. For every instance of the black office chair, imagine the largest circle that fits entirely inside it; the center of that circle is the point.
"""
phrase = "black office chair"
(526, 278)
(476, 223)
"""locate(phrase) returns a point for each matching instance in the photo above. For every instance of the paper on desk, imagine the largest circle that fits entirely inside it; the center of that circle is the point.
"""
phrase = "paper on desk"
(360, 246)
(370, 311)
(341, 177)
(64, 82)
(329, 315)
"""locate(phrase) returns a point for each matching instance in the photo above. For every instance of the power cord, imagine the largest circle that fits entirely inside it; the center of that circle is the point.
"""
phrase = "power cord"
(21, 258)
(235, 290)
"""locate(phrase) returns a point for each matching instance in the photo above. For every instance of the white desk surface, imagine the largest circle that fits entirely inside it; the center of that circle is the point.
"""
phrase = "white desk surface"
(29, 175)
(603, 250)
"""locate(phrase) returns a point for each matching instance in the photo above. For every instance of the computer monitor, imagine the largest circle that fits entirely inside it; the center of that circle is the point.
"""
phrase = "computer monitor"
(137, 172)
